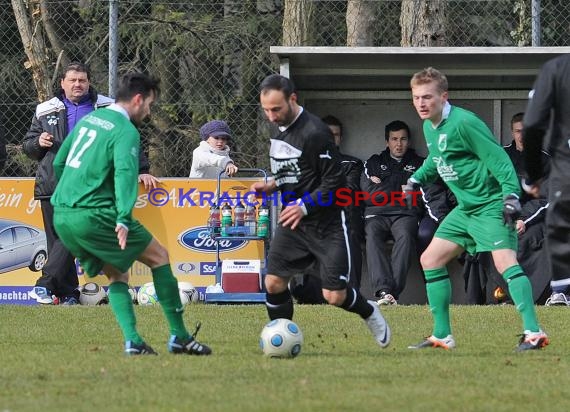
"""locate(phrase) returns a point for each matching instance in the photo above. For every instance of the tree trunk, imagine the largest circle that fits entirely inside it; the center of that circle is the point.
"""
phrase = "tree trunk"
(423, 23)
(360, 17)
(52, 36)
(297, 18)
(30, 28)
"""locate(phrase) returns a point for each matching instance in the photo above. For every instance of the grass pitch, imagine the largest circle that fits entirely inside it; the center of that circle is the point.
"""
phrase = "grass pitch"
(71, 359)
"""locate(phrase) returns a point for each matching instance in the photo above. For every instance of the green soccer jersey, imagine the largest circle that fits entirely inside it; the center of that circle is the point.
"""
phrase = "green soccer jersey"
(463, 151)
(98, 164)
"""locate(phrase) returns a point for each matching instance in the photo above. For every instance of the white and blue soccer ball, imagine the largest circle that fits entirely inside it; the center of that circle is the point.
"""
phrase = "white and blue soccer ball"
(188, 293)
(281, 338)
(92, 294)
(147, 294)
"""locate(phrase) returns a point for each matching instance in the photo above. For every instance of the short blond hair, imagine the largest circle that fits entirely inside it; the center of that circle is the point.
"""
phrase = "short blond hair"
(430, 75)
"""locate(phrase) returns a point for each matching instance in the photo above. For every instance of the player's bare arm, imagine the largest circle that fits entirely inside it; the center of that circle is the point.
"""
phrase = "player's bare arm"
(291, 216)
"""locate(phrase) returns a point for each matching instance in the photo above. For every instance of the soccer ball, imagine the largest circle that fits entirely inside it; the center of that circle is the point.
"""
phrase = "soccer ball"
(147, 295)
(92, 294)
(188, 293)
(281, 338)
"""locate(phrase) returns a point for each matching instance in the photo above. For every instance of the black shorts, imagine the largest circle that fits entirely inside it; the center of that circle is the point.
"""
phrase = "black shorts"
(324, 242)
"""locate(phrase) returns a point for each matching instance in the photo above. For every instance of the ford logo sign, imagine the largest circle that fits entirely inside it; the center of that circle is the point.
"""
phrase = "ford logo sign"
(198, 239)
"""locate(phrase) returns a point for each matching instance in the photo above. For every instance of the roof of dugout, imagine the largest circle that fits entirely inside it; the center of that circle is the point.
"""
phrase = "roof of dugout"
(364, 69)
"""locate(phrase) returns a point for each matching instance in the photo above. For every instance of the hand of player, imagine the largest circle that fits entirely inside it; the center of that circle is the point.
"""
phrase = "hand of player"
(511, 209)
(45, 140)
(375, 179)
(231, 169)
(520, 226)
(291, 216)
(122, 233)
(149, 181)
(268, 186)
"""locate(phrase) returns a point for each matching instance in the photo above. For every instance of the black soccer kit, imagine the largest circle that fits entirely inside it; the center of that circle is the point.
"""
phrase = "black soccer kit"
(549, 109)
(306, 166)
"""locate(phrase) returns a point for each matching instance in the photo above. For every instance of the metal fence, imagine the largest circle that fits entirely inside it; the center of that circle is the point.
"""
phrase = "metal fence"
(211, 55)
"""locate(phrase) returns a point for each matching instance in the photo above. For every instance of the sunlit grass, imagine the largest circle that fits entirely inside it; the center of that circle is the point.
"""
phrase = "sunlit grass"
(71, 359)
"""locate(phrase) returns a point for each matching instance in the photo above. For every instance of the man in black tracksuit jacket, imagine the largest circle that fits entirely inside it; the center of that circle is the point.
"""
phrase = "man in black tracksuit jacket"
(548, 109)
(52, 121)
(352, 168)
(386, 173)
(530, 224)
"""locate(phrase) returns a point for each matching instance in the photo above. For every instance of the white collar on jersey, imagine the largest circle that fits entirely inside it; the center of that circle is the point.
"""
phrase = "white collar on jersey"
(120, 109)
(444, 114)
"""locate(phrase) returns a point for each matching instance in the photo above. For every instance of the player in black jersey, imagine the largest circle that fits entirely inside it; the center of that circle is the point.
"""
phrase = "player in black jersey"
(306, 169)
(549, 110)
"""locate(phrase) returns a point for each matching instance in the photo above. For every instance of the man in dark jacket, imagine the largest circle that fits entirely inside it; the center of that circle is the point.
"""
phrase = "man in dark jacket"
(530, 224)
(352, 168)
(384, 174)
(52, 122)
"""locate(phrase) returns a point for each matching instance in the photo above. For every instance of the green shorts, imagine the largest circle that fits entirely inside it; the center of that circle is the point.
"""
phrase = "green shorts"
(89, 234)
(481, 232)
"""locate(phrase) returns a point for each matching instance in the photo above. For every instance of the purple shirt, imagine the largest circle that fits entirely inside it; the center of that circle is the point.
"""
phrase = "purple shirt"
(75, 111)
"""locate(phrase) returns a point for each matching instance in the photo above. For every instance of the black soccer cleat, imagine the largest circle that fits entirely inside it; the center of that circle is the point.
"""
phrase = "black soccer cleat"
(132, 349)
(190, 345)
(532, 341)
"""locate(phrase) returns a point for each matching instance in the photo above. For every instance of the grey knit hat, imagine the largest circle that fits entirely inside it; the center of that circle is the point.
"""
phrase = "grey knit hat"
(215, 128)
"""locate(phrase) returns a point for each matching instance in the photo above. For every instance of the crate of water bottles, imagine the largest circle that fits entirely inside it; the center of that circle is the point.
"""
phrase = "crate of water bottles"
(241, 220)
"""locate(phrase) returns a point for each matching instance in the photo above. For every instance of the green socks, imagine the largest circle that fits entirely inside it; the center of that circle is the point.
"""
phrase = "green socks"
(166, 287)
(122, 306)
(438, 287)
(521, 294)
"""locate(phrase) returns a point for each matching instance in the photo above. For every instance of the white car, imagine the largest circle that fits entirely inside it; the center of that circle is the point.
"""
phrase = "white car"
(21, 245)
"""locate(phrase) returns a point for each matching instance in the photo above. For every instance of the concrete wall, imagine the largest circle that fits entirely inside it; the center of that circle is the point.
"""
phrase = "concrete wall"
(364, 120)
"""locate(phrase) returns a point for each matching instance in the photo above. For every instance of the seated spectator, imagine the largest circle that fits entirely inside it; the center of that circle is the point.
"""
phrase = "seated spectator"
(386, 173)
(212, 156)
(531, 226)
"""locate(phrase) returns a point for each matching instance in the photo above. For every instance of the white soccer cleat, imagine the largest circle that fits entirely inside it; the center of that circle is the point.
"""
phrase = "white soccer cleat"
(42, 295)
(378, 326)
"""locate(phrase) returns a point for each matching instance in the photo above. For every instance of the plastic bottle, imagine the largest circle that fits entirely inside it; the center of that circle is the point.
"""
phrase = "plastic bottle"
(263, 221)
(226, 219)
(214, 220)
(250, 219)
(239, 214)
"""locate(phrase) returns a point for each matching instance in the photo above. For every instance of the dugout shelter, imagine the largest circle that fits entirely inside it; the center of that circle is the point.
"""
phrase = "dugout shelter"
(368, 87)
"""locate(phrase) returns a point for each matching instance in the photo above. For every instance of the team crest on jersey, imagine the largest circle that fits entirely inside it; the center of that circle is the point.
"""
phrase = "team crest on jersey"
(52, 120)
(442, 142)
(446, 171)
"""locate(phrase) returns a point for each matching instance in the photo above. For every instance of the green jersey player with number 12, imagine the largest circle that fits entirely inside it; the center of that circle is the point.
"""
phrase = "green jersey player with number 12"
(97, 168)
(463, 151)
